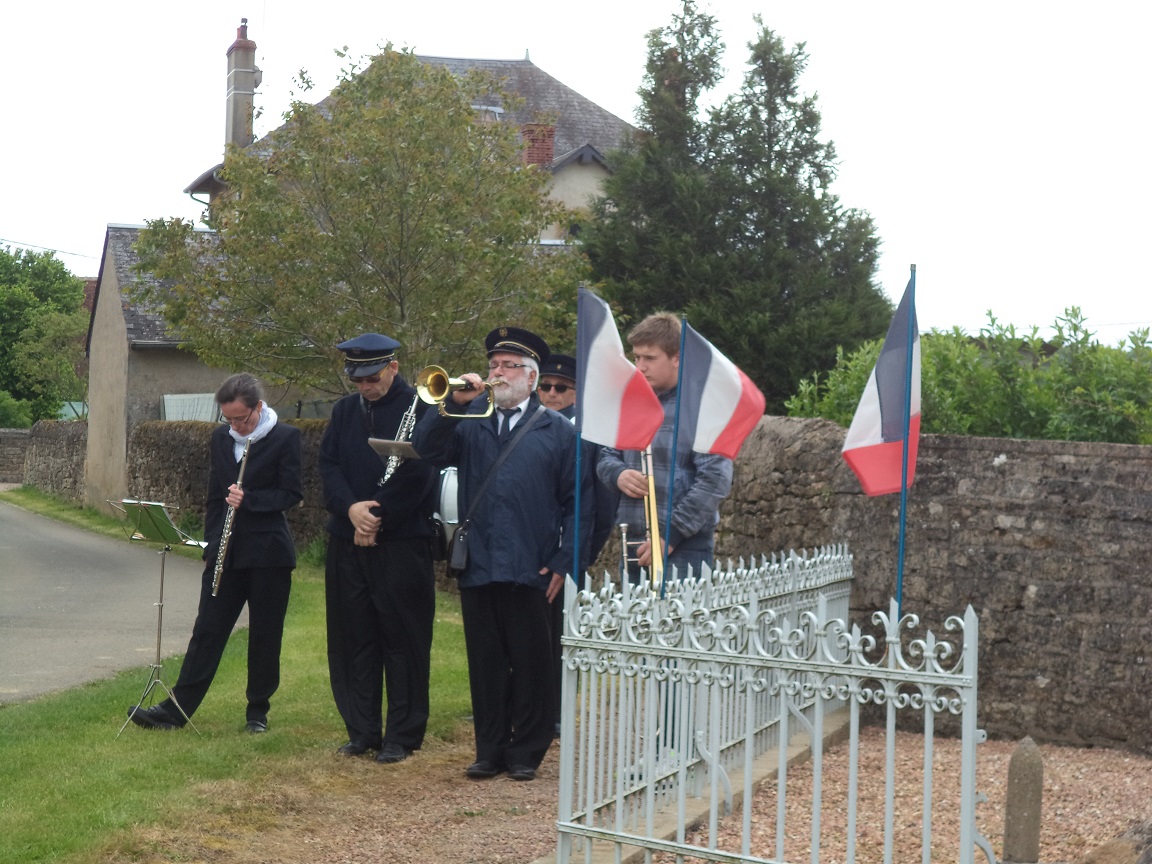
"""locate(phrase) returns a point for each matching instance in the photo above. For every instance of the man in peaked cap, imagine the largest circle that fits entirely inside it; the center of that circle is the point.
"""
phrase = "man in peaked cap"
(557, 387)
(367, 354)
(379, 587)
(520, 545)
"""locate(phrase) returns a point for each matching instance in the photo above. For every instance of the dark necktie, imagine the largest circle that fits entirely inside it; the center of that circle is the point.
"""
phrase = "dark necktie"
(506, 426)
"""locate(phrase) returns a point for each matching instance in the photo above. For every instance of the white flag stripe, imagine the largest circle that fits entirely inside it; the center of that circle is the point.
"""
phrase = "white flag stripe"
(605, 371)
(865, 428)
(721, 395)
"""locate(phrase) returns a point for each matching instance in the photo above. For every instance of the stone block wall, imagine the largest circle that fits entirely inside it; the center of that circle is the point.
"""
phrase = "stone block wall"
(13, 449)
(54, 462)
(1048, 541)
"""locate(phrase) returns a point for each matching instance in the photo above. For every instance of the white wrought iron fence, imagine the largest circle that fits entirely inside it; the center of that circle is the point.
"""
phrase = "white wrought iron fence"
(674, 696)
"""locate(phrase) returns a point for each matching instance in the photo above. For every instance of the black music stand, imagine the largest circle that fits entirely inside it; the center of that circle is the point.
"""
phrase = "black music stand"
(151, 523)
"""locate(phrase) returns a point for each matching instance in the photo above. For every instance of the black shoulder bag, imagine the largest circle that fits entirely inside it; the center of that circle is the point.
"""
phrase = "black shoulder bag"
(458, 545)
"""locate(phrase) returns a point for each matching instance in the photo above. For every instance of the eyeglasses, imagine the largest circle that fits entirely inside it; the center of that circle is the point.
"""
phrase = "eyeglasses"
(236, 421)
(367, 379)
(559, 388)
(505, 364)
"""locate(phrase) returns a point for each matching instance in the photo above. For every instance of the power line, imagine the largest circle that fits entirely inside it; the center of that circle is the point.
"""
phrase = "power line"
(48, 249)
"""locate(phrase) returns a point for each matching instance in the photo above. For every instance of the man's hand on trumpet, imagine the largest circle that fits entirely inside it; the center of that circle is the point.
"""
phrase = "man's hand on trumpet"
(476, 385)
(644, 553)
(632, 483)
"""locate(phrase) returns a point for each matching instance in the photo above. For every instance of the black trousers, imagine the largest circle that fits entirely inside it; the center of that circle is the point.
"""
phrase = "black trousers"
(266, 591)
(381, 604)
(507, 633)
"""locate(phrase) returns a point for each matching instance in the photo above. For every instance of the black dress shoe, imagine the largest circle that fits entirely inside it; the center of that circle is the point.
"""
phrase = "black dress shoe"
(390, 753)
(354, 748)
(255, 727)
(521, 772)
(482, 769)
(154, 717)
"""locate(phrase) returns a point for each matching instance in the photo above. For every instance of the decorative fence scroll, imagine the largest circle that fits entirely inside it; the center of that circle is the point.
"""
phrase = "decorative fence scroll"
(672, 697)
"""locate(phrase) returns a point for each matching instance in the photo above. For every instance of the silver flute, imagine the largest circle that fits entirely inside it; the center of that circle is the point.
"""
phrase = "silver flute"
(229, 516)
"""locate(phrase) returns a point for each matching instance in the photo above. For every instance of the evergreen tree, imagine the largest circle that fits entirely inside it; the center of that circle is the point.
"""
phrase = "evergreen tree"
(729, 218)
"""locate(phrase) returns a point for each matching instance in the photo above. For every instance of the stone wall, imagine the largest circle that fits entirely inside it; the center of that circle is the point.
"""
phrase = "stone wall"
(1047, 540)
(55, 457)
(13, 448)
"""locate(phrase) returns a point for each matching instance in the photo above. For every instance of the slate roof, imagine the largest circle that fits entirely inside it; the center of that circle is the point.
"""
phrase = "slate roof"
(580, 123)
(145, 327)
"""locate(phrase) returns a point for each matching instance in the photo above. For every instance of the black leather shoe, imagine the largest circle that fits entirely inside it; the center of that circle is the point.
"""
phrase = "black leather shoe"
(521, 772)
(354, 748)
(390, 753)
(154, 717)
(482, 769)
(255, 727)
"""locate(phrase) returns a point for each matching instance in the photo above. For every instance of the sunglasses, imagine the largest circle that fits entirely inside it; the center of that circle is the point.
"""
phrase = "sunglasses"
(559, 388)
(367, 379)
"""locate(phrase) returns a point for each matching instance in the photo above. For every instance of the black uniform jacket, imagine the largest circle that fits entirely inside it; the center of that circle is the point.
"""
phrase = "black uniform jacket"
(271, 484)
(351, 469)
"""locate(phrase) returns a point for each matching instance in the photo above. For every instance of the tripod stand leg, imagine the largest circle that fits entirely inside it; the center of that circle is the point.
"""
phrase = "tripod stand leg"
(154, 678)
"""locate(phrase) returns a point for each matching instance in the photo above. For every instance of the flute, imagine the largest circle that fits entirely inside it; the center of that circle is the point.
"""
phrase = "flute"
(226, 533)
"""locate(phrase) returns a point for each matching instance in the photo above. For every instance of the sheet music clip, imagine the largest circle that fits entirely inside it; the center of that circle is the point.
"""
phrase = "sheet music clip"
(150, 521)
(385, 448)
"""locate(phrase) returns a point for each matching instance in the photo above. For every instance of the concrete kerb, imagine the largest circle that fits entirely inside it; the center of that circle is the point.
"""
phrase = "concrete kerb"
(764, 770)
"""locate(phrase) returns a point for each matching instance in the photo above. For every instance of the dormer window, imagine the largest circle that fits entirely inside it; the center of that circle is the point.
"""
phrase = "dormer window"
(488, 113)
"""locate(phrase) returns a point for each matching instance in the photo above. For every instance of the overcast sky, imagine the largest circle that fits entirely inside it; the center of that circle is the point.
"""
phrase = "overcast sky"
(1001, 147)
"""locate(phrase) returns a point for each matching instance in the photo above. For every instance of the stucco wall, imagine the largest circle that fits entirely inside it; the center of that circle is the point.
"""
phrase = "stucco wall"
(107, 380)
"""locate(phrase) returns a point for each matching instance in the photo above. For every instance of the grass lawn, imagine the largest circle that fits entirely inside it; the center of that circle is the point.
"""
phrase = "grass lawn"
(71, 790)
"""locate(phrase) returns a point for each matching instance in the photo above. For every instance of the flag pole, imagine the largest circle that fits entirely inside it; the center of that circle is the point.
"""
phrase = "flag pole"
(579, 467)
(675, 445)
(576, 521)
(904, 449)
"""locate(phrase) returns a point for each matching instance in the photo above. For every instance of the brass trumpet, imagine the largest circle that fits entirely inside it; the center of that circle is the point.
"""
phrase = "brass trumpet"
(434, 386)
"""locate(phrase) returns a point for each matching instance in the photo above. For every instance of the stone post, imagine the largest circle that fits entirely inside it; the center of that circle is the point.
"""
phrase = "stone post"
(1022, 810)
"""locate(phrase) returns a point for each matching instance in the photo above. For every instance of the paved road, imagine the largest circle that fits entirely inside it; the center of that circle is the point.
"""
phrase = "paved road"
(77, 607)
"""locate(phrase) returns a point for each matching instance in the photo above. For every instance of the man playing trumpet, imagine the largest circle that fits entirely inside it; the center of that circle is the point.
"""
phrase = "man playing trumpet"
(521, 533)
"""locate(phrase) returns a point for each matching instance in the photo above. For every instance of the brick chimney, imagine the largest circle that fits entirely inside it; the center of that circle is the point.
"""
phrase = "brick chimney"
(539, 143)
(243, 79)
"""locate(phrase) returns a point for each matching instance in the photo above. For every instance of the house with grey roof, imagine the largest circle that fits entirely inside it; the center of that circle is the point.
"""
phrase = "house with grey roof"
(137, 370)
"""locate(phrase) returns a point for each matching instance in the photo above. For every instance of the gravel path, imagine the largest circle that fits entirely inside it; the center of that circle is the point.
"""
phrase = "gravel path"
(424, 810)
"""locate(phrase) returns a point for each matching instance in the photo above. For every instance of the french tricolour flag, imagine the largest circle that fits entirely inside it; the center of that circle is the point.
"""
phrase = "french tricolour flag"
(719, 404)
(615, 405)
(875, 443)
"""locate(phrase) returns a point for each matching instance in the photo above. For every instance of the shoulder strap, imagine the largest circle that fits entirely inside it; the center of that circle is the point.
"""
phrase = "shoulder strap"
(521, 430)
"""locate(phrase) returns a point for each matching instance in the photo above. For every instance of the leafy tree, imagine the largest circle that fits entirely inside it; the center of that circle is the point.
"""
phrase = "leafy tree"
(389, 207)
(729, 217)
(1005, 384)
(14, 413)
(41, 316)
